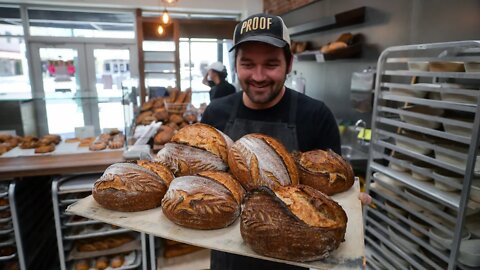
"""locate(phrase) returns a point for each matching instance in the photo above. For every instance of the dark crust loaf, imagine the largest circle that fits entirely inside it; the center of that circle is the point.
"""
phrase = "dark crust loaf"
(259, 160)
(325, 171)
(199, 202)
(204, 137)
(128, 187)
(274, 228)
(186, 160)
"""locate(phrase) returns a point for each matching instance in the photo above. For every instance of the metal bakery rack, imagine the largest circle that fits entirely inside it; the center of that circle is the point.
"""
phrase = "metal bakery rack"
(425, 129)
(11, 251)
(73, 231)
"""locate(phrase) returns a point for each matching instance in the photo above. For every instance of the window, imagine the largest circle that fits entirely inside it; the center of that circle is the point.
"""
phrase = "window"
(14, 79)
(61, 23)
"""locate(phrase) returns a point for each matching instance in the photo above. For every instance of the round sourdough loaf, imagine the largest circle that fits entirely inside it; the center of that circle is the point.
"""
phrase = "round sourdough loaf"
(196, 148)
(295, 223)
(259, 160)
(206, 201)
(324, 170)
(129, 187)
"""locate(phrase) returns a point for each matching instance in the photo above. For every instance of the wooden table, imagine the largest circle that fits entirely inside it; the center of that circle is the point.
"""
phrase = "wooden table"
(58, 164)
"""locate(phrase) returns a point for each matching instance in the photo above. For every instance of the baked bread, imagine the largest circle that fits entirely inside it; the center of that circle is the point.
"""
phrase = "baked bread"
(196, 148)
(45, 148)
(117, 261)
(205, 137)
(82, 265)
(129, 187)
(209, 200)
(97, 146)
(179, 250)
(164, 135)
(101, 263)
(186, 160)
(324, 170)
(295, 223)
(259, 160)
(157, 168)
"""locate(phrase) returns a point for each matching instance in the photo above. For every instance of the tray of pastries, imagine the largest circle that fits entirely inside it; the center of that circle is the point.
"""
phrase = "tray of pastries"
(122, 261)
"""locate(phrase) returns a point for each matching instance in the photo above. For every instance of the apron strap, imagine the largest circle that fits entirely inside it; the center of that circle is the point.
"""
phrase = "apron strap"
(233, 113)
(293, 109)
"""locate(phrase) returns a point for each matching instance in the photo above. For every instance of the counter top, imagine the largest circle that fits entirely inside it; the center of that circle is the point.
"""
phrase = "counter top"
(58, 164)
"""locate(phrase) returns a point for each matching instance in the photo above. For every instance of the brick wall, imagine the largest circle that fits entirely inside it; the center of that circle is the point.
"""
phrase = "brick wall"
(278, 7)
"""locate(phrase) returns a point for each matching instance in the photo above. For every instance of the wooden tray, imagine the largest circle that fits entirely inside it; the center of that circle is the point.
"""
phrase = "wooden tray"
(349, 255)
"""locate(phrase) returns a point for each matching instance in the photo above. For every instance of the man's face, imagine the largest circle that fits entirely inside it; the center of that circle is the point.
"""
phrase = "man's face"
(261, 70)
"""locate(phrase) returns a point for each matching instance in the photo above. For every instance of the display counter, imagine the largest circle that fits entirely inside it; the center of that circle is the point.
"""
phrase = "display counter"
(58, 164)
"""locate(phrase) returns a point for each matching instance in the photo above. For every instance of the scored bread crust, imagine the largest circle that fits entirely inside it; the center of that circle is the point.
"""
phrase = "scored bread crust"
(204, 137)
(325, 170)
(159, 169)
(256, 160)
(186, 160)
(273, 226)
(200, 202)
(228, 181)
(128, 187)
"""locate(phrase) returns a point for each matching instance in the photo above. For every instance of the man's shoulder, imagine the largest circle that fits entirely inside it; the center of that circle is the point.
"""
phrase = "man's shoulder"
(223, 103)
(310, 104)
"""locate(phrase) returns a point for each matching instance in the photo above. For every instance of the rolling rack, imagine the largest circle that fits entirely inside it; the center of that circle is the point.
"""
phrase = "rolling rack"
(72, 230)
(413, 201)
(198, 258)
(10, 243)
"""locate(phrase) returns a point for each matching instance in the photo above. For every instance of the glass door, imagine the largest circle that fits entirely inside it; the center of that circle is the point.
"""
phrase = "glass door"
(82, 85)
(60, 75)
(112, 75)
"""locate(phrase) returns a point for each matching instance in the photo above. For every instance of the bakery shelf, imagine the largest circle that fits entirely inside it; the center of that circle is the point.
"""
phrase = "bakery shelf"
(7, 219)
(70, 189)
(9, 242)
(7, 231)
(4, 194)
(454, 75)
(7, 258)
(4, 207)
(462, 149)
(95, 234)
(405, 256)
(429, 102)
(434, 59)
(350, 17)
(381, 262)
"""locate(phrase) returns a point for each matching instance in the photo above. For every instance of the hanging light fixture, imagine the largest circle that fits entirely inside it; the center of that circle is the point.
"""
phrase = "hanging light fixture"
(160, 30)
(165, 17)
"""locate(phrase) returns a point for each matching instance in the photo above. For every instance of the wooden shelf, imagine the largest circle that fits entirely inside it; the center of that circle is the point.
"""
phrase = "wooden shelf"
(351, 17)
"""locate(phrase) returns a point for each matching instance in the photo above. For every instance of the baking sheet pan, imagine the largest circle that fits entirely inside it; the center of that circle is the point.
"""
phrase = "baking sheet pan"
(349, 255)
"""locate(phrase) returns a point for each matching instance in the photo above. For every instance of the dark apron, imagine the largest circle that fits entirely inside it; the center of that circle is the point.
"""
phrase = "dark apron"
(284, 132)
(287, 134)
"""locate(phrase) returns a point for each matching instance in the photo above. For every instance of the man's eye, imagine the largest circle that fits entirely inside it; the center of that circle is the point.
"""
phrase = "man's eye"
(247, 65)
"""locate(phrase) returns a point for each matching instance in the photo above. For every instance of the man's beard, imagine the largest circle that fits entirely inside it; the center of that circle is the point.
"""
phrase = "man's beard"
(273, 92)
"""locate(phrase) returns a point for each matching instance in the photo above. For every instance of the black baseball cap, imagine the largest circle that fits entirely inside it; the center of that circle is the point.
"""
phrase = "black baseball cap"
(262, 28)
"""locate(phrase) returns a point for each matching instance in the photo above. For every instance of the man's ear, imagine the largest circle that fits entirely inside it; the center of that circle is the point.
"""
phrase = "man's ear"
(289, 68)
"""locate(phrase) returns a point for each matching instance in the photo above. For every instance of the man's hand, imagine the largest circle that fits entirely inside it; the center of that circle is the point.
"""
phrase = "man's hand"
(365, 198)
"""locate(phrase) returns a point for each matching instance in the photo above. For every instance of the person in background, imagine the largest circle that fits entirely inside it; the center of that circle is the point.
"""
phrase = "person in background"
(262, 61)
(215, 78)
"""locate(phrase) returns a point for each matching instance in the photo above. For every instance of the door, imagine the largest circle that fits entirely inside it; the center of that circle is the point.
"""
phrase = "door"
(79, 84)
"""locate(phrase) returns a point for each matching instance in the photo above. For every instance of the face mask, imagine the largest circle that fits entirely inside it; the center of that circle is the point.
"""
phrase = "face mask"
(211, 83)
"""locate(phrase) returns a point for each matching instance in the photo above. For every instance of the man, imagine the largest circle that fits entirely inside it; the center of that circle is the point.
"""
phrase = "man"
(262, 62)
(216, 78)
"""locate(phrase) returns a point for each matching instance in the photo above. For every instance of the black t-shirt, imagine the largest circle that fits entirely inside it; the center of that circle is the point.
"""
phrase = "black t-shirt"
(316, 125)
(222, 89)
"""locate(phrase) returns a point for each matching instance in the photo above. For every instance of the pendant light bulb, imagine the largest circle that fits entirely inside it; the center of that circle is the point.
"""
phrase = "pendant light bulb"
(160, 30)
(165, 17)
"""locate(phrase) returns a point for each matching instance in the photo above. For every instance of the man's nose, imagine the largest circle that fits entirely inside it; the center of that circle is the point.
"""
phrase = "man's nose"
(258, 73)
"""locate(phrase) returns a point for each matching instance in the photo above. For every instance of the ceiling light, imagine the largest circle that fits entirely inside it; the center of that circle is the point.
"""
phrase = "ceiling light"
(165, 17)
(160, 30)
